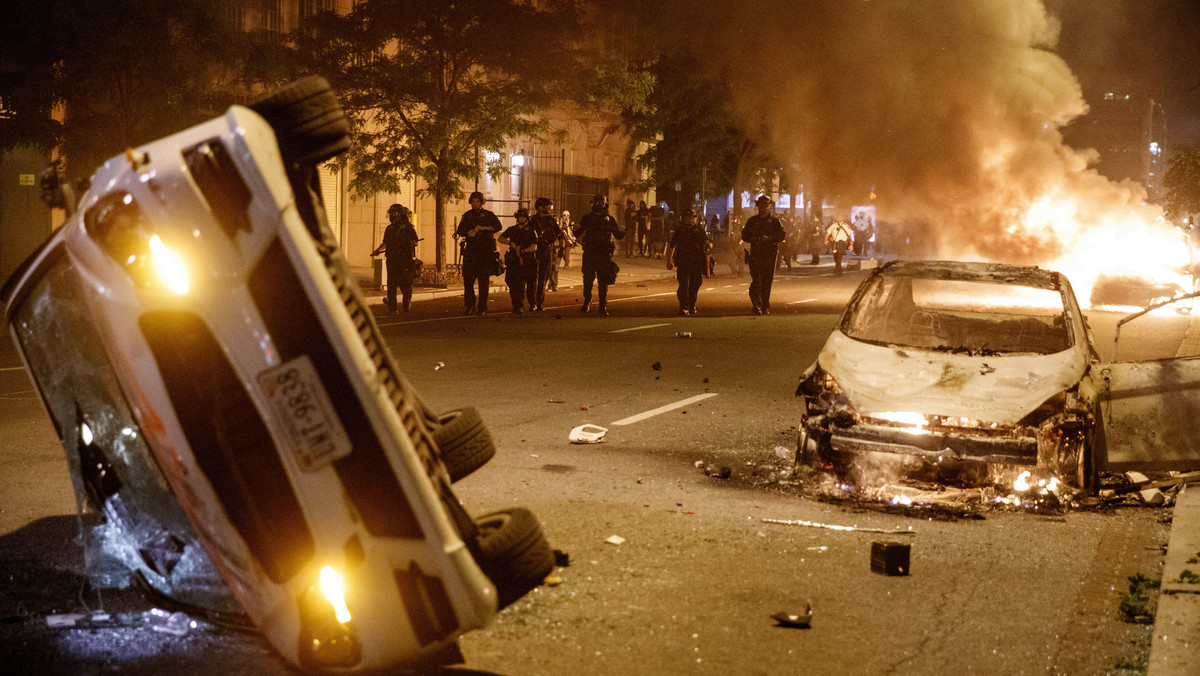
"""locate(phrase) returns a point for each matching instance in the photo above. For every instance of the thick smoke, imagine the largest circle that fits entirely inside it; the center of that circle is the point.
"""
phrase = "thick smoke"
(949, 109)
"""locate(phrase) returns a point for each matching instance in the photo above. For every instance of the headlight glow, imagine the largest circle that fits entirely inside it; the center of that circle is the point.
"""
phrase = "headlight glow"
(331, 586)
(168, 266)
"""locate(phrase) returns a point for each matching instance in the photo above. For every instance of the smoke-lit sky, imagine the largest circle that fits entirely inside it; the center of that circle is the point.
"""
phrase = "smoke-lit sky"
(950, 109)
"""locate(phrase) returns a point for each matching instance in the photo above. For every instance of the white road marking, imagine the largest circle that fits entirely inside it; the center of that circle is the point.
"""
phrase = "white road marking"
(639, 328)
(806, 300)
(663, 409)
(13, 368)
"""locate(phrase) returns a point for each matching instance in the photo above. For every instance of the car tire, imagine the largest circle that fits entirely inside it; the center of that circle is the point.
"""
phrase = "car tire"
(806, 449)
(463, 441)
(513, 553)
(309, 123)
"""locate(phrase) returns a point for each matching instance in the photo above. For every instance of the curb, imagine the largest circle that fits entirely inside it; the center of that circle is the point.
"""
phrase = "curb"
(1177, 622)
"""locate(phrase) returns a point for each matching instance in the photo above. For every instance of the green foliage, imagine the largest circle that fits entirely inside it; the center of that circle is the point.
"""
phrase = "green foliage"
(1181, 183)
(430, 85)
(1136, 604)
(1186, 576)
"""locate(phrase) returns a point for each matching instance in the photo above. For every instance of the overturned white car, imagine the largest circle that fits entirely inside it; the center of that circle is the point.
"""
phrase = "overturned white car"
(226, 401)
(978, 364)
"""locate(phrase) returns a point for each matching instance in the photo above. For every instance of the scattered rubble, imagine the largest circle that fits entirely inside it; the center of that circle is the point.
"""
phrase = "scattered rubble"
(801, 620)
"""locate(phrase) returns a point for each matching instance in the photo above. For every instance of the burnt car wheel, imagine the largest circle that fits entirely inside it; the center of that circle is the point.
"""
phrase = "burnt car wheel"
(308, 121)
(463, 441)
(513, 553)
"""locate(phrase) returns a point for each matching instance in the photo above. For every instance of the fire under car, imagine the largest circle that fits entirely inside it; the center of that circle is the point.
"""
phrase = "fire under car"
(232, 415)
(984, 368)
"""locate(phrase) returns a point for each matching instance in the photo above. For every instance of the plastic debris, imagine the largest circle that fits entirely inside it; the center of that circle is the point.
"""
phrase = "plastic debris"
(856, 529)
(175, 624)
(587, 434)
(439, 366)
(64, 619)
(614, 540)
(801, 620)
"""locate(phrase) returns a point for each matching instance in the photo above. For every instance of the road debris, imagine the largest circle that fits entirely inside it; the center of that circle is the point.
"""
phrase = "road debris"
(587, 434)
(717, 471)
(890, 558)
(561, 558)
(683, 334)
(801, 620)
(784, 452)
(175, 624)
(657, 366)
(856, 529)
(439, 366)
(1151, 496)
(614, 540)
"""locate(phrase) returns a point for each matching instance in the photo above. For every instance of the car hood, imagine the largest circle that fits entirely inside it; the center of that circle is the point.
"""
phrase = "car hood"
(998, 388)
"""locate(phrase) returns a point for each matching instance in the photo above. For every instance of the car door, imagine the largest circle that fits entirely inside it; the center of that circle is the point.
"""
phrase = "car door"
(1148, 414)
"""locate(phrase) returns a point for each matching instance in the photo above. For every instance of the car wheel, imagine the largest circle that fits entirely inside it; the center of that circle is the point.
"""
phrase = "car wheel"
(463, 442)
(513, 553)
(308, 121)
(806, 448)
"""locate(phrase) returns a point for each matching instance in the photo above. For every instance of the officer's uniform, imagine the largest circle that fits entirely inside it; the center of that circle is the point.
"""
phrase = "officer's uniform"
(595, 232)
(548, 233)
(520, 265)
(689, 246)
(763, 234)
(479, 256)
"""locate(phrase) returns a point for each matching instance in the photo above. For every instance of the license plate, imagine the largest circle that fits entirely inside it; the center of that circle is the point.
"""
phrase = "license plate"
(304, 411)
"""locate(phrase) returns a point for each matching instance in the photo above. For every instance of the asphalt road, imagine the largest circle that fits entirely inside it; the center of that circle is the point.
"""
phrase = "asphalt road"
(692, 587)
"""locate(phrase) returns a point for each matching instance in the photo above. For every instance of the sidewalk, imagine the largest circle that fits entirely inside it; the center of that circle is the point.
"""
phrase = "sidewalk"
(1177, 622)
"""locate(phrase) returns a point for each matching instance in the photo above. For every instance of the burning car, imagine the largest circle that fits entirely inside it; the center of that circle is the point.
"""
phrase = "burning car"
(227, 403)
(977, 365)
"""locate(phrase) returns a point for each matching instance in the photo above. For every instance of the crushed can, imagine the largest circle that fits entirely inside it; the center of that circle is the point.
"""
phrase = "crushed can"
(890, 558)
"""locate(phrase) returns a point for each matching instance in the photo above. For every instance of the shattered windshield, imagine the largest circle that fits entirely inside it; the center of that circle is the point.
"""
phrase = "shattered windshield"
(144, 529)
(960, 316)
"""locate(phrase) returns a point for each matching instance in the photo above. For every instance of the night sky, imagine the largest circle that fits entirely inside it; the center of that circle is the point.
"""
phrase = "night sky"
(1147, 47)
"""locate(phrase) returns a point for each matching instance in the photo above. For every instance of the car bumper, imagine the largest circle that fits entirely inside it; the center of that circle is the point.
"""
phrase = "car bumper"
(866, 437)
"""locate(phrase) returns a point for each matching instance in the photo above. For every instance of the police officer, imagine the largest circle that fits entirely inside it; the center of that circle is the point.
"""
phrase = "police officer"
(688, 251)
(595, 232)
(478, 228)
(399, 247)
(548, 234)
(520, 260)
(763, 232)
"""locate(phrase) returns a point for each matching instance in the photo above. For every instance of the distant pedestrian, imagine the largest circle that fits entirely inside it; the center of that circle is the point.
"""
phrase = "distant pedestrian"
(399, 248)
(595, 232)
(520, 261)
(862, 233)
(568, 240)
(763, 232)
(630, 226)
(658, 226)
(839, 237)
(815, 236)
(549, 236)
(643, 227)
(478, 228)
(688, 252)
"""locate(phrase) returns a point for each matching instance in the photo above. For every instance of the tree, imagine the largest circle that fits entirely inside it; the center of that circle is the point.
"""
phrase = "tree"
(429, 85)
(123, 72)
(1181, 183)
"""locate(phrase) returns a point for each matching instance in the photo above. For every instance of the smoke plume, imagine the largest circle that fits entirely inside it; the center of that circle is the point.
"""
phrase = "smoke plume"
(949, 109)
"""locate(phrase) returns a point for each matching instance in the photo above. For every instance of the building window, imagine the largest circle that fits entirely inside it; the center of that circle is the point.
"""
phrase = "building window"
(311, 8)
(270, 15)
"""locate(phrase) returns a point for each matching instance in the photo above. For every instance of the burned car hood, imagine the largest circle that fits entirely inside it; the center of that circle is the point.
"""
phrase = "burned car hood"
(995, 388)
